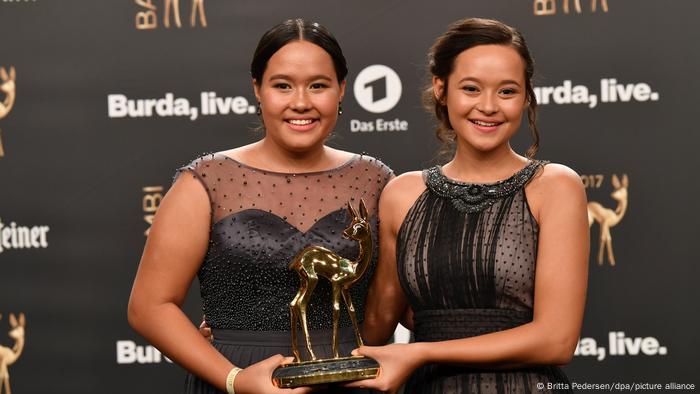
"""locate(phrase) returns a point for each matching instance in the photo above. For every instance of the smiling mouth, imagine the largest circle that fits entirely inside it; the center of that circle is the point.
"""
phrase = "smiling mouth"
(300, 122)
(485, 124)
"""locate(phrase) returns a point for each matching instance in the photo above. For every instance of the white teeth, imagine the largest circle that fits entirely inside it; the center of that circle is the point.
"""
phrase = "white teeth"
(300, 122)
(487, 124)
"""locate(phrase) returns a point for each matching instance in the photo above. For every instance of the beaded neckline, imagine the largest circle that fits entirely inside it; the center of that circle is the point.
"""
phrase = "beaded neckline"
(355, 157)
(475, 197)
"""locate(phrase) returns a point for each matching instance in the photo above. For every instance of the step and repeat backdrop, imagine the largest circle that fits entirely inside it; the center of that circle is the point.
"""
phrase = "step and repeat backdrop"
(101, 101)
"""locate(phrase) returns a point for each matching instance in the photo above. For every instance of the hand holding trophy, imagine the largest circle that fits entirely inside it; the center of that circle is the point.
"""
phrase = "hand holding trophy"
(314, 262)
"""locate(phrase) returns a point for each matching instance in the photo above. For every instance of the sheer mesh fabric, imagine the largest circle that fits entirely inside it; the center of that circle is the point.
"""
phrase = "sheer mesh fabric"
(466, 259)
(261, 220)
(299, 199)
(488, 256)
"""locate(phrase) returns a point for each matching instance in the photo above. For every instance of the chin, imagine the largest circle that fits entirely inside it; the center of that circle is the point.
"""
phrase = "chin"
(301, 147)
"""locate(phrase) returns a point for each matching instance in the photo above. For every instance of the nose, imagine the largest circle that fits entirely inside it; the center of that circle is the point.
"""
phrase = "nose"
(300, 101)
(488, 103)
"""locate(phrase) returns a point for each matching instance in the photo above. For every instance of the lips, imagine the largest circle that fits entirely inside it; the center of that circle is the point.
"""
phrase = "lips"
(485, 126)
(301, 124)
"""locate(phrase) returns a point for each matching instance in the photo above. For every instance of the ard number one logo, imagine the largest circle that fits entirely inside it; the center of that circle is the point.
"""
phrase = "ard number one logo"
(377, 88)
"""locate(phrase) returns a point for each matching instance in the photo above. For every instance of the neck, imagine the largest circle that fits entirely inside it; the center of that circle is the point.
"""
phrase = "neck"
(363, 258)
(17, 349)
(469, 164)
(7, 104)
(273, 157)
(621, 208)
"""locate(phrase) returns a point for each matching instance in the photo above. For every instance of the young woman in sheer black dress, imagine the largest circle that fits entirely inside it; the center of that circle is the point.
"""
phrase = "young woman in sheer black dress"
(485, 256)
(237, 218)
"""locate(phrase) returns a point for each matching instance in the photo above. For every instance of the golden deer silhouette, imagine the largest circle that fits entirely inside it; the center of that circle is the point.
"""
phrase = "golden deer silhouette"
(608, 218)
(549, 7)
(594, 5)
(8, 87)
(316, 261)
(176, 11)
(9, 355)
(197, 6)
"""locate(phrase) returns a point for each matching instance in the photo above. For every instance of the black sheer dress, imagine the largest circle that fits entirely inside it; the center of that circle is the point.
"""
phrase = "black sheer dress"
(260, 220)
(466, 259)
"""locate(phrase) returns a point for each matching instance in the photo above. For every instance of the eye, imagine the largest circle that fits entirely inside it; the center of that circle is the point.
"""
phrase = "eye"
(318, 86)
(281, 85)
(470, 89)
(508, 91)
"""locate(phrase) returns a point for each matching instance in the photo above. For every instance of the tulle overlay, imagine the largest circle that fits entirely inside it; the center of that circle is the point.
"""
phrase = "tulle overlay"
(260, 220)
(466, 259)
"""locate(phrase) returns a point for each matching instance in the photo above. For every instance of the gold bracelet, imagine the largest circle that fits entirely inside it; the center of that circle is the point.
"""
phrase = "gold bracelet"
(230, 379)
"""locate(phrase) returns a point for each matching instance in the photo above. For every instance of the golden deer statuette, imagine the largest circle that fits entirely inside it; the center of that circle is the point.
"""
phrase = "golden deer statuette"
(8, 355)
(8, 87)
(316, 262)
(608, 218)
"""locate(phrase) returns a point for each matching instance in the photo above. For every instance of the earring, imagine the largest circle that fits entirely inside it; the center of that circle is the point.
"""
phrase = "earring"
(340, 109)
(259, 110)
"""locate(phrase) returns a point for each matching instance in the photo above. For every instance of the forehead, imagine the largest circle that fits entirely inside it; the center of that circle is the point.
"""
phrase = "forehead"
(489, 62)
(299, 58)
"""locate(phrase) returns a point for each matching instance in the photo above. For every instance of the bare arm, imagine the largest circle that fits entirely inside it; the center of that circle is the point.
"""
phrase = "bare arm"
(386, 302)
(174, 251)
(558, 201)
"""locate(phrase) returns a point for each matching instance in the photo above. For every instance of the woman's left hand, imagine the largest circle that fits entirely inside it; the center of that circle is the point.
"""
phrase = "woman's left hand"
(397, 362)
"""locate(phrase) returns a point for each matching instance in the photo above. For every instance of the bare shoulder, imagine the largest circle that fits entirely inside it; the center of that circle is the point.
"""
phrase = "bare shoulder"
(407, 186)
(399, 195)
(188, 192)
(555, 177)
(553, 185)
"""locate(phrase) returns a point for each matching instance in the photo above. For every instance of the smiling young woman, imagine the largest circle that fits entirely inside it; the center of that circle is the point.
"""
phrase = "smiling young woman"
(301, 96)
(485, 258)
(237, 218)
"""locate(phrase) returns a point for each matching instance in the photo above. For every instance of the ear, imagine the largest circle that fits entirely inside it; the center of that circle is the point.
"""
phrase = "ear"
(438, 89)
(12, 73)
(363, 209)
(13, 320)
(625, 181)
(22, 320)
(615, 182)
(3, 74)
(352, 210)
(342, 89)
(256, 89)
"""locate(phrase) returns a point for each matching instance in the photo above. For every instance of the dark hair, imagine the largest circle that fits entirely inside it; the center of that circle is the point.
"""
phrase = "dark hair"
(296, 30)
(460, 36)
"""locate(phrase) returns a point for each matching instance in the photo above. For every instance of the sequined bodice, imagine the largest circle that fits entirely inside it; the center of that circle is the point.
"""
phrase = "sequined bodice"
(469, 246)
(261, 220)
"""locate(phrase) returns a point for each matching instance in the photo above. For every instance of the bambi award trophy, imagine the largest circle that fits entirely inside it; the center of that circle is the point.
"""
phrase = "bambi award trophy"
(318, 262)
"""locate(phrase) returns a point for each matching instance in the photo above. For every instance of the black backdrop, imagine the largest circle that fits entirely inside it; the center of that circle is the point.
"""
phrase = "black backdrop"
(82, 172)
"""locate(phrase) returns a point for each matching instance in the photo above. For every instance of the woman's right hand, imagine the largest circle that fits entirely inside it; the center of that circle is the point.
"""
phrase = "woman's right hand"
(205, 330)
(257, 378)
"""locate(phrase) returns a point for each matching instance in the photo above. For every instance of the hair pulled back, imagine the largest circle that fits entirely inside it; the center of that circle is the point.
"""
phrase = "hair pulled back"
(460, 36)
(296, 30)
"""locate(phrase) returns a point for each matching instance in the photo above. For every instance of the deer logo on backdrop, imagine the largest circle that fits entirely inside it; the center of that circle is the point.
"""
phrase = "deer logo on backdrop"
(549, 7)
(8, 88)
(147, 18)
(8, 355)
(608, 218)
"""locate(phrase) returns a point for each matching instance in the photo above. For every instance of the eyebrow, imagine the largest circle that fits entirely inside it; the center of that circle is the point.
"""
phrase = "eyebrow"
(312, 78)
(504, 82)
